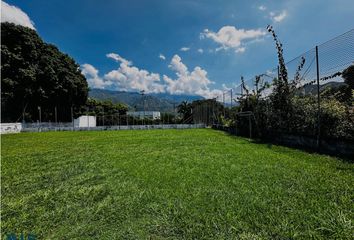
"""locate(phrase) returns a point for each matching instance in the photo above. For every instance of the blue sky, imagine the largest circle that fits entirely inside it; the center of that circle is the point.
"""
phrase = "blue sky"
(118, 43)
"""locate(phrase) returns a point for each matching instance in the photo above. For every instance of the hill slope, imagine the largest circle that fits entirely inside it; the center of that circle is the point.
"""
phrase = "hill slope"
(163, 102)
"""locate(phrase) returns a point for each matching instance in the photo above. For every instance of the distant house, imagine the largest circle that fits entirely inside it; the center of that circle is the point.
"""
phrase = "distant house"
(147, 114)
(85, 121)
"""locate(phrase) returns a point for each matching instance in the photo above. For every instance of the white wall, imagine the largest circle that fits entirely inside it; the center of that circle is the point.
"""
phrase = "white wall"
(147, 114)
(85, 121)
(10, 128)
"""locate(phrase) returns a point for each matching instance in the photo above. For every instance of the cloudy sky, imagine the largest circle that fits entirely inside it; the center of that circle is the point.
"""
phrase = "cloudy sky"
(179, 47)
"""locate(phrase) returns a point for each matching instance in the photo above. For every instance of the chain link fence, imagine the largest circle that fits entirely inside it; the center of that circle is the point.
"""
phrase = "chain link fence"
(98, 118)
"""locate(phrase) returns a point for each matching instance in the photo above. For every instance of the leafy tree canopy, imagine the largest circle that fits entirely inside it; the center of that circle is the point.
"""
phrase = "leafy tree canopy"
(35, 73)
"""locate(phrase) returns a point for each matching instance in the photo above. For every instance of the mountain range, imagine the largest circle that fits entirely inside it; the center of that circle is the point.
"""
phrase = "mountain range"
(165, 102)
(162, 102)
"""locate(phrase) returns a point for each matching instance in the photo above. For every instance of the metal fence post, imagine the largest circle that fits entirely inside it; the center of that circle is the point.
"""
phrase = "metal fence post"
(56, 115)
(223, 102)
(40, 117)
(318, 101)
(250, 125)
(278, 72)
(103, 117)
(72, 117)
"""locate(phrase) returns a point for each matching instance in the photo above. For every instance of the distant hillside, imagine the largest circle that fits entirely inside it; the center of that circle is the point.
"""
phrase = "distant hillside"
(312, 89)
(163, 102)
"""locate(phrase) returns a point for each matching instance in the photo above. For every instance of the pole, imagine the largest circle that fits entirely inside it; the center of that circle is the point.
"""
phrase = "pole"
(72, 116)
(223, 102)
(118, 121)
(40, 114)
(231, 98)
(318, 100)
(56, 116)
(278, 72)
(144, 113)
(40, 117)
(213, 115)
(250, 125)
(103, 117)
(142, 92)
(174, 112)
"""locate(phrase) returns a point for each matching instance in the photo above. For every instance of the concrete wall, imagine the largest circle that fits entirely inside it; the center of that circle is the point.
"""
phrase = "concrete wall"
(10, 128)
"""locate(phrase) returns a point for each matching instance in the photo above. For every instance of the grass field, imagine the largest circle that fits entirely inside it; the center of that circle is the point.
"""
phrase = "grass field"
(170, 184)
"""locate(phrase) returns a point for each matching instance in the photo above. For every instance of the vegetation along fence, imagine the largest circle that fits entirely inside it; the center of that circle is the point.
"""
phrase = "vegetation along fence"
(306, 101)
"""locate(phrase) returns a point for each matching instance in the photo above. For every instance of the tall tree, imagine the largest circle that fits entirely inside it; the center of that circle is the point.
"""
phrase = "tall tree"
(185, 109)
(34, 74)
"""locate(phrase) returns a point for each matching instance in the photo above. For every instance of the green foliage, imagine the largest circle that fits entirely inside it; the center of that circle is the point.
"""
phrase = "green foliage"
(185, 109)
(207, 110)
(168, 118)
(34, 74)
(288, 111)
(348, 76)
(335, 120)
(227, 122)
(99, 108)
(348, 92)
(170, 184)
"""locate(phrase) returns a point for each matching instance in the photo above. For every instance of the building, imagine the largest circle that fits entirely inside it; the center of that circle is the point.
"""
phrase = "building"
(154, 115)
(85, 121)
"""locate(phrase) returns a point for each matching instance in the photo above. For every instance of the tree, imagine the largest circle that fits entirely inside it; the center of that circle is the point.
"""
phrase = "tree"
(348, 92)
(34, 74)
(185, 109)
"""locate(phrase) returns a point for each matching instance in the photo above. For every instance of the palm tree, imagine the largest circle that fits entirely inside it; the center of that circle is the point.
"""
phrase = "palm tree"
(185, 108)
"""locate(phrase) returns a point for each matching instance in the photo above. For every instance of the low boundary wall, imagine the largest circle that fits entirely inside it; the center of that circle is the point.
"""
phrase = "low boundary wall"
(10, 128)
(19, 127)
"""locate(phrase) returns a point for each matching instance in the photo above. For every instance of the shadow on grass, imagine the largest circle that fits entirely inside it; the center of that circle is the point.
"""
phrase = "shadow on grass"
(349, 158)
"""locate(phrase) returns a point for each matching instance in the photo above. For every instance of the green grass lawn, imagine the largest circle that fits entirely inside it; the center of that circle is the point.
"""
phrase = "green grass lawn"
(170, 184)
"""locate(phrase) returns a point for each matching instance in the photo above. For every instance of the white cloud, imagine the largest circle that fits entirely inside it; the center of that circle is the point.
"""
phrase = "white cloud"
(280, 17)
(185, 49)
(269, 72)
(13, 14)
(162, 56)
(231, 37)
(195, 82)
(118, 58)
(262, 8)
(240, 50)
(125, 77)
(91, 74)
(130, 78)
(200, 50)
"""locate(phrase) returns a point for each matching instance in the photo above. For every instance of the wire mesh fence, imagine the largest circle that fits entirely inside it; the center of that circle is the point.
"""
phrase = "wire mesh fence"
(72, 118)
(320, 105)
